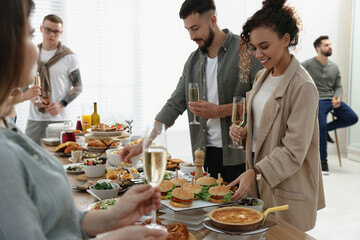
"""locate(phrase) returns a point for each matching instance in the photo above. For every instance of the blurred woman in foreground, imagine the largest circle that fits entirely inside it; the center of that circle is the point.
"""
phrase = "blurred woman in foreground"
(282, 134)
(36, 200)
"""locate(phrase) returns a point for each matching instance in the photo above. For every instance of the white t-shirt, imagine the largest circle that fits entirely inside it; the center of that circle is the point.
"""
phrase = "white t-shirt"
(260, 99)
(60, 85)
(214, 128)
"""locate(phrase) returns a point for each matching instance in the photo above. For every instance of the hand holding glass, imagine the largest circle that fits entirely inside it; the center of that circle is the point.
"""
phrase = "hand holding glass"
(154, 159)
(194, 97)
(37, 82)
(238, 117)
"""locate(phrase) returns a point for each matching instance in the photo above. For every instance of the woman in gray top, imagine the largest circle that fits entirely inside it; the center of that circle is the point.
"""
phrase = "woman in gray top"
(36, 201)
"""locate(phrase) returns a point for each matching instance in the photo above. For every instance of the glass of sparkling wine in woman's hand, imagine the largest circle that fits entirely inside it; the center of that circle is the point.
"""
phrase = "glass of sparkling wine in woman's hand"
(238, 116)
(194, 97)
(154, 159)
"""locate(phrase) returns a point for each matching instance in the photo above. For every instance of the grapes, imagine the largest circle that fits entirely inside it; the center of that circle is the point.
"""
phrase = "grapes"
(249, 202)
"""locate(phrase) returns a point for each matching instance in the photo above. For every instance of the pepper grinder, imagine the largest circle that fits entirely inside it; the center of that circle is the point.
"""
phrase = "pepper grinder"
(199, 163)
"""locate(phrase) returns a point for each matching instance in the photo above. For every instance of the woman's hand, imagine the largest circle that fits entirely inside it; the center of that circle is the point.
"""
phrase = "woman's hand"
(244, 180)
(136, 202)
(137, 232)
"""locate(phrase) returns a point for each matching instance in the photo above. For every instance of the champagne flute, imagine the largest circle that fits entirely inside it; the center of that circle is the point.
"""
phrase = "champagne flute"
(238, 117)
(154, 160)
(37, 82)
(194, 97)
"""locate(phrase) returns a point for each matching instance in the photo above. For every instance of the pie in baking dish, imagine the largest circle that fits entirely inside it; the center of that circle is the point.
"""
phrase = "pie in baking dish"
(236, 216)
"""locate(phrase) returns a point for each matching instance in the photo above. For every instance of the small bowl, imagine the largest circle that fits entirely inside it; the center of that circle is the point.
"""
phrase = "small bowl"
(187, 169)
(257, 207)
(113, 157)
(95, 171)
(105, 194)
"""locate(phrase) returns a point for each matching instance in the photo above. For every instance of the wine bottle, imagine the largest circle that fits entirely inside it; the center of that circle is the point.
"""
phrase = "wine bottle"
(95, 118)
(78, 124)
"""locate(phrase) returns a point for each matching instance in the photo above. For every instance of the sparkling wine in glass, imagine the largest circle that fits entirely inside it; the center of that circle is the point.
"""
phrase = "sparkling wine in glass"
(37, 82)
(238, 116)
(154, 160)
(194, 97)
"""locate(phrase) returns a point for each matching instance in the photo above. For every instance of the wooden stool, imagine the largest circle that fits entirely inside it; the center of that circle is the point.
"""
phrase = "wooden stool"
(336, 141)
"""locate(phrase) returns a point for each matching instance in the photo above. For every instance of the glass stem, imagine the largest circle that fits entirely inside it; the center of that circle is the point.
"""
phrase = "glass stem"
(153, 211)
(194, 118)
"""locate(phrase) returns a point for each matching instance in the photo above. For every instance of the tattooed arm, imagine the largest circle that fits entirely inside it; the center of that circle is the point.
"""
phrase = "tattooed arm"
(55, 108)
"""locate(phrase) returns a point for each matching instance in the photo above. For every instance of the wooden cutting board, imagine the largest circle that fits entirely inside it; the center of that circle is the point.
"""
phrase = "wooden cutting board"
(83, 177)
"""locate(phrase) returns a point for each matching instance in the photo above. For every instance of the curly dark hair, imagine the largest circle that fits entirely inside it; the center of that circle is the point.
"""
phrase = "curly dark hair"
(275, 16)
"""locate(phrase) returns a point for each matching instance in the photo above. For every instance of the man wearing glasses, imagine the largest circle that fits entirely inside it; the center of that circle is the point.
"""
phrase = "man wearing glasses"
(60, 80)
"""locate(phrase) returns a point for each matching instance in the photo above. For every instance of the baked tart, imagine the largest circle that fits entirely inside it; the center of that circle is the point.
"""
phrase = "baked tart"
(236, 218)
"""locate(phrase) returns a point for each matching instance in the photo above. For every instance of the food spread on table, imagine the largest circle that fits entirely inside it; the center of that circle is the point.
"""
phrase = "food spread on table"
(102, 127)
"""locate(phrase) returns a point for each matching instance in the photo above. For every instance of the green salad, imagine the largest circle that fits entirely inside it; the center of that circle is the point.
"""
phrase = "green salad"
(103, 186)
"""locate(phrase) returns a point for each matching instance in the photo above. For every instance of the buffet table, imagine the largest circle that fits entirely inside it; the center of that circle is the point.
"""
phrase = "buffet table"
(281, 231)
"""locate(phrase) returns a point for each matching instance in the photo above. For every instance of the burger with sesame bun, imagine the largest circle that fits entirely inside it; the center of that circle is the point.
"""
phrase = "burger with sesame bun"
(181, 198)
(206, 181)
(194, 188)
(166, 186)
(178, 182)
(220, 194)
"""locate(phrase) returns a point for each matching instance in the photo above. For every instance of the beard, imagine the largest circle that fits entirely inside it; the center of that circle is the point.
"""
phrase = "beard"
(208, 41)
(326, 54)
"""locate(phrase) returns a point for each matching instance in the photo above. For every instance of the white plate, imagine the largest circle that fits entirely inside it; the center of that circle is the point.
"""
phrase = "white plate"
(94, 149)
(114, 133)
(72, 164)
(183, 219)
(196, 205)
(214, 229)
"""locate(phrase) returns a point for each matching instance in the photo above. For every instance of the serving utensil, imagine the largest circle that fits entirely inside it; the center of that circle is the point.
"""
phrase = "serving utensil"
(274, 209)
(93, 194)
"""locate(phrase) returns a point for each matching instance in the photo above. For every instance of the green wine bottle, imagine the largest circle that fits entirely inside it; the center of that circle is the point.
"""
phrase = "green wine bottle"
(95, 118)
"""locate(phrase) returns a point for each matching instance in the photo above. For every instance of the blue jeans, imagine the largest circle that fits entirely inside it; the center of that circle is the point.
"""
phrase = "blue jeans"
(345, 117)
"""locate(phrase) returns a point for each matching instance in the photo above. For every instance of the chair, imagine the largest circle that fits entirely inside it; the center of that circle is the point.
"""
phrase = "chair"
(336, 140)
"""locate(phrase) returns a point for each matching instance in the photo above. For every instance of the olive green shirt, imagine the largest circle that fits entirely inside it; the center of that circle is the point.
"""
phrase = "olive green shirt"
(229, 86)
(326, 77)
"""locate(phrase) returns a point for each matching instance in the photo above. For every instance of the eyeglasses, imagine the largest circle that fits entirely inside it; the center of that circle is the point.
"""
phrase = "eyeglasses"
(49, 31)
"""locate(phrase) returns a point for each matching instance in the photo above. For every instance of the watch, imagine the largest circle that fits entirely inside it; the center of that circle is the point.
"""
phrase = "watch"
(64, 103)
(257, 173)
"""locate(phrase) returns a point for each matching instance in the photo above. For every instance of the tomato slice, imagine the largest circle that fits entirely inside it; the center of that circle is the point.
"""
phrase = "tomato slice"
(181, 201)
(217, 197)
(163, 193)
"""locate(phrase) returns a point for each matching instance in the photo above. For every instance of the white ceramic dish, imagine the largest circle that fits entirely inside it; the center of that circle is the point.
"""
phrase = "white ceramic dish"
(95, 171)
(73, 164)
(105, 194)
(187, 169)
(257, 207)
(114, 158)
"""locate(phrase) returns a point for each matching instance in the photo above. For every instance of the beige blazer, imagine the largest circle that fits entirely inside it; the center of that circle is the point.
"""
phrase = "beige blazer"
(287, 147)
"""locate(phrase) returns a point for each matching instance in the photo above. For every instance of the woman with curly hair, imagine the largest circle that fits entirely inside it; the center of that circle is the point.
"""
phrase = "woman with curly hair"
(282, 134)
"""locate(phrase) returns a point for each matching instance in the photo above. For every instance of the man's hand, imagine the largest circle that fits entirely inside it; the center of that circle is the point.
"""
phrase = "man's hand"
(336, 102)
(55, 108)
(130, 151)
(205, 109)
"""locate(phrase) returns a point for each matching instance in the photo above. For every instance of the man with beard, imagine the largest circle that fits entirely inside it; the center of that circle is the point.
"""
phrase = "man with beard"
(214, 67)
(326, 76)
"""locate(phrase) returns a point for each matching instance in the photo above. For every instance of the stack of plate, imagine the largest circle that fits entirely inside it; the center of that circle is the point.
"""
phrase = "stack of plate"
(193, 219)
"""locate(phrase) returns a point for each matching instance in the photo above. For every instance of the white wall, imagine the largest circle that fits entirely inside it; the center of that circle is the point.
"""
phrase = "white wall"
(165, 44)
